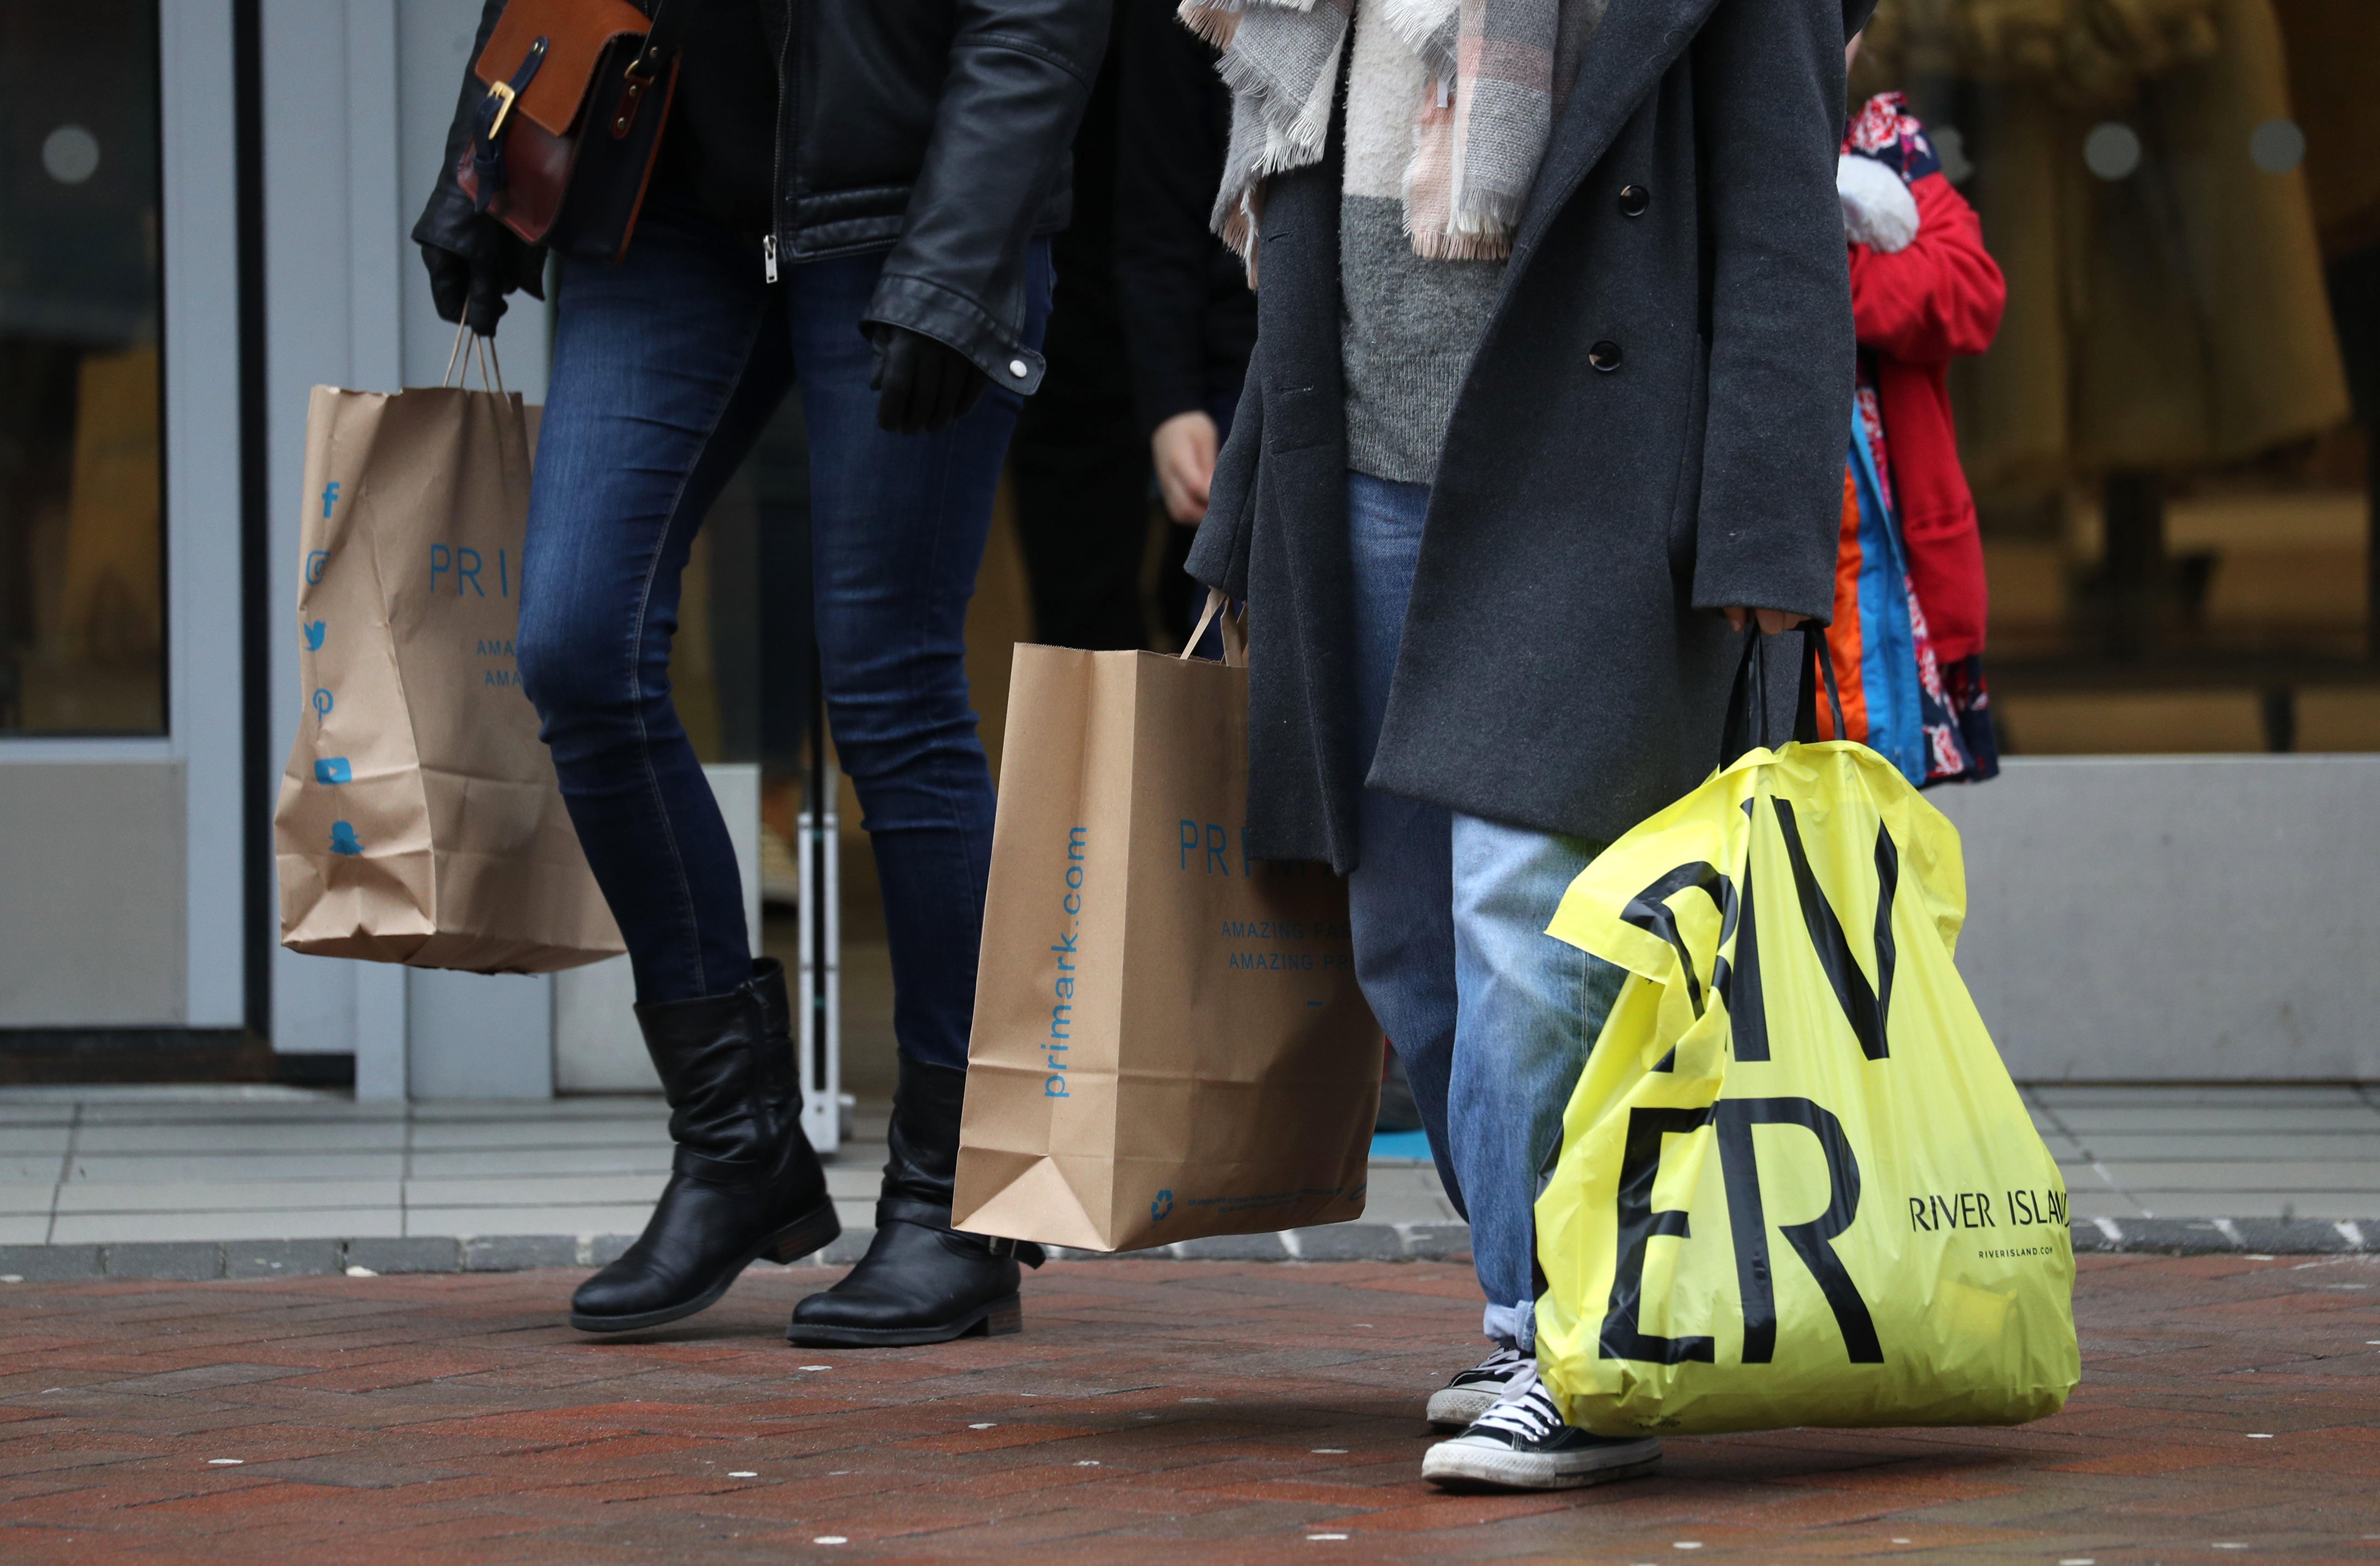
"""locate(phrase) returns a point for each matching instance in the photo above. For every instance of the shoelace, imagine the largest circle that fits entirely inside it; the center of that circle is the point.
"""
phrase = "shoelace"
(1525, 1409)
(1499, 1365)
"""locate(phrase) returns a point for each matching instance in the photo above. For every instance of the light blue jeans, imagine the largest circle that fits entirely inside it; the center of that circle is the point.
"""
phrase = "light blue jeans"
(1492, 1017)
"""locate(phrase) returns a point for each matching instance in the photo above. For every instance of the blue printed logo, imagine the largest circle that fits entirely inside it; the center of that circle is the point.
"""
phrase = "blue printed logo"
(343, 838)
(1159, 1208)
(314, 629)
(333, 770)
(322, 704)
(330, 498)
(314, 563)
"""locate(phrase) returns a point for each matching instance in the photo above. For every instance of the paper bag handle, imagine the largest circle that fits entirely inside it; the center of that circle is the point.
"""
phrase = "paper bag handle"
(1235, 627)
(486, 347)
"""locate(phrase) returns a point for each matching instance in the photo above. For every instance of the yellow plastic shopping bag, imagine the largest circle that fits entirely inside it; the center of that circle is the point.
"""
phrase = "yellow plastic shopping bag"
(1796, 1186)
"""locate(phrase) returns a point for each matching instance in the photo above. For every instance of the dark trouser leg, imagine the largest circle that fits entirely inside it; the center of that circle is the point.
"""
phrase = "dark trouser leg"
(663, 370)
(899, 524)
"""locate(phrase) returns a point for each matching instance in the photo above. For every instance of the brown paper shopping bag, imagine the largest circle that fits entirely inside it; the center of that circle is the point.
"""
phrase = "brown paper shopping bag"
(1168, 1042)
(420, 820)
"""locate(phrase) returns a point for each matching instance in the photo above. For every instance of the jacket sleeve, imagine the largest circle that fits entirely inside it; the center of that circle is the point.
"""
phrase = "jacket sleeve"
(1768, 96)
(1219, 555)
(1939, 299)
(448, 219)
(1020, 71)
(1167, 169)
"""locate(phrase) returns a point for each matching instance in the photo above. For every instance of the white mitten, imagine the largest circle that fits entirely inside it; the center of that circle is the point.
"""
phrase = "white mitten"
(1879, 211)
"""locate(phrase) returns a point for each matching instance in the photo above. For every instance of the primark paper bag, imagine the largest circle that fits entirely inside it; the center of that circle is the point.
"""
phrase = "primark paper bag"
(1168, 1042)
(419, 822)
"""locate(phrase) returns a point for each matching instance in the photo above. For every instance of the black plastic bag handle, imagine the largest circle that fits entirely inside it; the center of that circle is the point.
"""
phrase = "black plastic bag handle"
(1749, 695)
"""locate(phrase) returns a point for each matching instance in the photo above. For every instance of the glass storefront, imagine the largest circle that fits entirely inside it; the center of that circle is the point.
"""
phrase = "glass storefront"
(82, 630)
(2170, 441)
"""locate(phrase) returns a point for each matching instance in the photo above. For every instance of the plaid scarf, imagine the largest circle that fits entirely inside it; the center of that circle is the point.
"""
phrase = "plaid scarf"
(1498, 72)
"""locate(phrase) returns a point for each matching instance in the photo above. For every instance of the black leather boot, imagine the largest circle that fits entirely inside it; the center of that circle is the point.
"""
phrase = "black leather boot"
(921, 1281)
(744, 1183)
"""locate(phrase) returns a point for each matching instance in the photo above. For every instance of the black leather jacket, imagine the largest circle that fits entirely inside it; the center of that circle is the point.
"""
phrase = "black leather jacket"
(935, 130)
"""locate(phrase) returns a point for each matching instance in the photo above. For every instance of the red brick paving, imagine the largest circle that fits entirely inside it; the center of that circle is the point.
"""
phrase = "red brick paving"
(1152, 1412)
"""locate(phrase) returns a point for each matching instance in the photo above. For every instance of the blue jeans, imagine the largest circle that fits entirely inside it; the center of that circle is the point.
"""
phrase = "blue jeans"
(1492, 1017)
(665, 369)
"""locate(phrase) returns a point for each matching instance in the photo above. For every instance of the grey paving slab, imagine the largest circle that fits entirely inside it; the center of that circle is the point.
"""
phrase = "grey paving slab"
(2234, 1145)
(518, 1252)
(503, 1163)
(42, 1263)
(33, 1141)
(539, 1190)
(309, 1223)
(2246, 1175)
(593, 1106)
(127, 1168)
(175, 1259)
(543, 1220)
(24, 1229)
(440, 1253)
(2360, 1206)
(490, 1133)
(2211, 1118)
(311, 1134)
(224, 1196)
(283, 1258)
(20, 1196)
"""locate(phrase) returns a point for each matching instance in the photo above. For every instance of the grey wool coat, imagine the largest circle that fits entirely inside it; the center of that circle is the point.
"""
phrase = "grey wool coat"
(1654, 427)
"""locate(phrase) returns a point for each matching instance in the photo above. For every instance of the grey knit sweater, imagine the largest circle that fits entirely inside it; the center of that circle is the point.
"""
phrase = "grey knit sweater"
(1407, 326)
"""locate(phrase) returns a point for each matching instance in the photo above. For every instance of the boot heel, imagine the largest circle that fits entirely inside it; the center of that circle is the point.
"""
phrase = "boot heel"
(814, 1230)
(1006, 1316)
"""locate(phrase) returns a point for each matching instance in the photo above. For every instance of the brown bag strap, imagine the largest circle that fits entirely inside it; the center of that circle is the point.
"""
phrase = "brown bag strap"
(1234, 625)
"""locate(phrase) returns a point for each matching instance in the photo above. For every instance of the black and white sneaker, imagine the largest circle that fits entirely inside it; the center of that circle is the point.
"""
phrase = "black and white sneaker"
(1521, 1443)
(1473, 1392)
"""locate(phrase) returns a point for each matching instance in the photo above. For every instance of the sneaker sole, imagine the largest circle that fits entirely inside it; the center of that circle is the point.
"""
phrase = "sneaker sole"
(1453, 1408)
(1452, 1466)
(997, 1320)
(814, 1230)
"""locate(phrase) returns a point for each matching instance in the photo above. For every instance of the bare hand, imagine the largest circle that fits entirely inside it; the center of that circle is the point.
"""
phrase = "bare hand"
(1773, 621)
(1184, 448)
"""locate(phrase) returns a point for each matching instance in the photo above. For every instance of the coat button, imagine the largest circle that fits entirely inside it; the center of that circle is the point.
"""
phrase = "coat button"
(1634, 200)
(1604, 356)
(1016, 367)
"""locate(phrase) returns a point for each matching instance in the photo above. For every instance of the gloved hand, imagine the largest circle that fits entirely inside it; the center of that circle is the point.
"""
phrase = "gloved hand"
(468, 285)
(927, 385)
(1879, 211)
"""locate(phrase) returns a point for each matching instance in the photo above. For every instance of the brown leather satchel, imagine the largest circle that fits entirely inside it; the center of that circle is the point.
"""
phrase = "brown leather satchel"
(562, 145)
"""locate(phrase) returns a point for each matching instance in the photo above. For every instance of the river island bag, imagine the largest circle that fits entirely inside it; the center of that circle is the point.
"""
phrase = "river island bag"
(1168, 1042)
(1796, 1186)
(419, 822)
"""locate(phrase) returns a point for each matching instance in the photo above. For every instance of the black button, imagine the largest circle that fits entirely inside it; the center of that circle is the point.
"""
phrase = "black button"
(1634, 200)
(1604, 356)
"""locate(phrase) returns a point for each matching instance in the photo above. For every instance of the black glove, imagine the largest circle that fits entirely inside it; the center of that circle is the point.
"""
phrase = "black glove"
(468, 285)
(927, 385)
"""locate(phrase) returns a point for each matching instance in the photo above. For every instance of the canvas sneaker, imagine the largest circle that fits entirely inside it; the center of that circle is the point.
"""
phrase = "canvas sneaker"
(1473, 1392)
(1521, 1443)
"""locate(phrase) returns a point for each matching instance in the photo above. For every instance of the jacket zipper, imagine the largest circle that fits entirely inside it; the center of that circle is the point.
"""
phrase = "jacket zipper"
(777, 157)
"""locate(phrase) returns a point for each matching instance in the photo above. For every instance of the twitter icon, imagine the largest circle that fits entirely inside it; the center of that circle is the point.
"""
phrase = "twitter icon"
(314, 629)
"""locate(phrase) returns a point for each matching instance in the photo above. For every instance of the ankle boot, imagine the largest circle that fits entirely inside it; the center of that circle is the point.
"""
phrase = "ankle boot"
(921, 1281)
(744, 1183)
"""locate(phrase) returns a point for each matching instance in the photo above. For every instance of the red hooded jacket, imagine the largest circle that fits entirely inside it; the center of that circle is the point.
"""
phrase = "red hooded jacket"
(1915, 310)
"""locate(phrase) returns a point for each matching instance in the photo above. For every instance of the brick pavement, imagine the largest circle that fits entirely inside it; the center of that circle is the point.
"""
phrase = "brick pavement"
(1151, 1412)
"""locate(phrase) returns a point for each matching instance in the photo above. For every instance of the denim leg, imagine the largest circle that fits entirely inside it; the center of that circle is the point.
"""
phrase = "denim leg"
(1531, 1008)
(664, 369)
(898, 524)
(1400, 896)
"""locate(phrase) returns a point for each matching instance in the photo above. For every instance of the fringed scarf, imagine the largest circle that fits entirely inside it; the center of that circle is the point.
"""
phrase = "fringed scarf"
(1498, 71)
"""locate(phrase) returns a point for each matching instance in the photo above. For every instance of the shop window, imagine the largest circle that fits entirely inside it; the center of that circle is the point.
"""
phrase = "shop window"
(2171, 442)
(82, 625)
